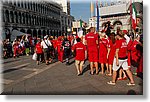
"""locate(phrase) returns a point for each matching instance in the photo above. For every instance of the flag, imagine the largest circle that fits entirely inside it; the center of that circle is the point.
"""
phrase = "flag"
(97, 16)
(92, 8)
(80, 23)
(133, 13)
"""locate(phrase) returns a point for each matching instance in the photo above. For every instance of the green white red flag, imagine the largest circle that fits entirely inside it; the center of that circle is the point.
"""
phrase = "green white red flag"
(133, 15)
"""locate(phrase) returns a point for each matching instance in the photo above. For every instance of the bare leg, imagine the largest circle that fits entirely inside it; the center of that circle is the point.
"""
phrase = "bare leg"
(77, 66)
(110, 69)
(114, 76)
(102, 68)
(124, 74)
(81, 66)
(120, 73)
(130, 75)
(91, 66)
(96, 66)
(107, 67)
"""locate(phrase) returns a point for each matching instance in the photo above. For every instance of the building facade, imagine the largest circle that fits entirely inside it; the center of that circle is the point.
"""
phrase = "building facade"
(66, 18)
(118, 13)
(35, 18)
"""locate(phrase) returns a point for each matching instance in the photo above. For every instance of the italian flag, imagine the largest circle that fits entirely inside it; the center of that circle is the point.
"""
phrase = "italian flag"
(133, 15)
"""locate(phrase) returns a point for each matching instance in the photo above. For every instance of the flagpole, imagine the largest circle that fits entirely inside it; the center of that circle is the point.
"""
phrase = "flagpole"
(97, 16)
(132, 31)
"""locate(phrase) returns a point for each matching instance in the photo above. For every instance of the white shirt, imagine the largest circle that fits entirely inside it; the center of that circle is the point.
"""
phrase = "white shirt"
(47, 42)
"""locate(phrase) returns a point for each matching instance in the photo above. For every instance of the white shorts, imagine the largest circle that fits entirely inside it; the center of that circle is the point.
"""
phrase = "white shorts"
(122, 63)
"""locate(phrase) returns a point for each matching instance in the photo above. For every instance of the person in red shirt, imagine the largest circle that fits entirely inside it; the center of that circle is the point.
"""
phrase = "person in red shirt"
(16, 48)
(38, 50)
(121, 60)
(103, 51)
(91, 40)
(59, 49)
(79, 50)
(135, 53)
(111, 52)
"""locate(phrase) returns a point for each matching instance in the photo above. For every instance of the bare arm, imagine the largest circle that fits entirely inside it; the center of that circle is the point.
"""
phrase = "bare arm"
(117, 57)
(108, 52)
(85, 42)
(97, 42)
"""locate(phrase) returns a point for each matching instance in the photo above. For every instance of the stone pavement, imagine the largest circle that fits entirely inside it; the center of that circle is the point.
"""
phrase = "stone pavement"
(23, 76)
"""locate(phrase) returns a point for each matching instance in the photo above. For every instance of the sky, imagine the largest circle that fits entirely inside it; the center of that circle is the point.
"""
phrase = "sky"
(81, 9)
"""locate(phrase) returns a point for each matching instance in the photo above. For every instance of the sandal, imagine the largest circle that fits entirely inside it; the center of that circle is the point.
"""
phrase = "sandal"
(131, 84)
(111, 83)
(124, 78)
(109, 75)
(119, 78)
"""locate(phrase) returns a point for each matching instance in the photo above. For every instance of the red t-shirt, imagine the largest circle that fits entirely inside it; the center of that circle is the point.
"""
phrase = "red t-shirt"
(122, 46)
(134, 51)
(110, 43)
(54, 42)
(59, 45)
(80, 51)
(91, 39)
(103, 45)
(38, 48)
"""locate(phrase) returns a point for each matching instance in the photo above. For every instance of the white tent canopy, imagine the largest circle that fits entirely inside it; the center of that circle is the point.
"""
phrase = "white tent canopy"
(16, 33)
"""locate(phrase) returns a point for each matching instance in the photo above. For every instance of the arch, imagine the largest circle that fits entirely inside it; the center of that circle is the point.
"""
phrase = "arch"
(15, 28)
(7, 16)
(39, 33)
(23, 18)
(7, 33)
(20, 17)
(33, 20)
(22, 4)
(25, 5)
(16, 17)
(48, 32)
(33, 6)
(36, 20)
(117, 22)
(4, 18)
(30, 20)
(22, 30)
(28, 5)
(19, 4)
(34, 33)
(12, 16)
(44, 33)
(29, 31)
(40, 21)
(26, 18)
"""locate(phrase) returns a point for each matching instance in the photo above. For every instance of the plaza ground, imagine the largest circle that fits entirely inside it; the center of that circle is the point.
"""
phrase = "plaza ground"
(23, 76)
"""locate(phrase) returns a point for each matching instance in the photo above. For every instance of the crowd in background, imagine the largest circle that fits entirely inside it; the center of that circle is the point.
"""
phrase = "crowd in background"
(98, 47)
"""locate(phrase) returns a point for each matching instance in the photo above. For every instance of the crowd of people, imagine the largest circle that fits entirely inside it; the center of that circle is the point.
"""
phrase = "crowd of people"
(112, 55)
(23, 45)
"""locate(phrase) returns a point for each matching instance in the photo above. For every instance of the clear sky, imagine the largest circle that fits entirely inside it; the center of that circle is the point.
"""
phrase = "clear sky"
(81, 8)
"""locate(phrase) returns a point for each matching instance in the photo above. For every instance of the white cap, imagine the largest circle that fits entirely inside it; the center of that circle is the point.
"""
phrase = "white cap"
(45, 37)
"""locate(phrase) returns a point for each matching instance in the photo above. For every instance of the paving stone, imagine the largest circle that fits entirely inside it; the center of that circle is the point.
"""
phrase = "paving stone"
(61, 79)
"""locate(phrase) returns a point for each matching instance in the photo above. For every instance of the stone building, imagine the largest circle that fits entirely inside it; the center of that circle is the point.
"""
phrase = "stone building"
(35, 18)
(118, 13)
